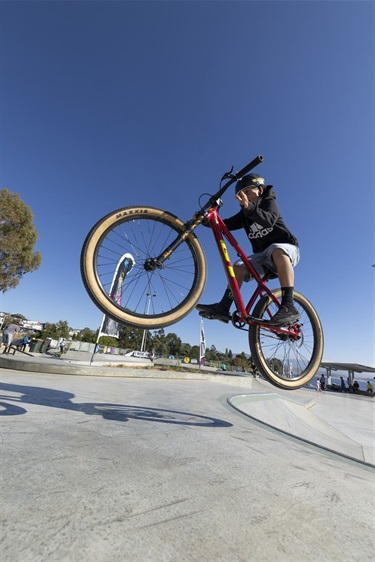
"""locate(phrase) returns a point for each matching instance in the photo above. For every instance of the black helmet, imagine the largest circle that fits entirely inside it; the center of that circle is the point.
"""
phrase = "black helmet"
(250, 180)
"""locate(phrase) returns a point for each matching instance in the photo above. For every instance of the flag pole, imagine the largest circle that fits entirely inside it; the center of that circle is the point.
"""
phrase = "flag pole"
(109, 326)
(202, 344)
(97, 339)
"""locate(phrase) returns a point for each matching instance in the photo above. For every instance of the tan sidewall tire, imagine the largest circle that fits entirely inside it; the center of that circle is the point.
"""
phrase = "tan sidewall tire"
(257, 356)
(100, 298)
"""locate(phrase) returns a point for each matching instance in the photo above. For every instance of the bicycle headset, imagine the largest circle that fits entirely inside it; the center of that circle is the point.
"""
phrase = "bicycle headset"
(250, 180)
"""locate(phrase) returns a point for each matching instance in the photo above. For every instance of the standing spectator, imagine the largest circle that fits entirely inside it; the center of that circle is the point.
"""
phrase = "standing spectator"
(323, 382)
(62, 347)
(355, 386)
(9, 334)
(342, 385)
(318, 385)
(370, 389)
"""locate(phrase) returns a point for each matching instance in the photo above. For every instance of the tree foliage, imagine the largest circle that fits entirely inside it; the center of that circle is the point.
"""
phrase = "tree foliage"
(276, 365)
(109, 341)
(130, 337)
(56, 331)
(18, 238)
(243, 361)
(86, 335)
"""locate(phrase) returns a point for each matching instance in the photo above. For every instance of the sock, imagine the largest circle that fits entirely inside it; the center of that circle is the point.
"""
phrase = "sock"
(226, 301)
(287, 296)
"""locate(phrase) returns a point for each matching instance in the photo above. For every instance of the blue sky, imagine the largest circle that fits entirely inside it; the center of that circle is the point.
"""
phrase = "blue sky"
(108, 104)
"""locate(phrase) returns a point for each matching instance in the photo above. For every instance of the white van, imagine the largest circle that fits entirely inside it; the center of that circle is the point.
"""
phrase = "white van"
(139, 354)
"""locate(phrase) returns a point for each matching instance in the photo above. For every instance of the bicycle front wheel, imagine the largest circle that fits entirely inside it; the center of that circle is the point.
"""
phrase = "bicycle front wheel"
(115, 268)
(287, 361)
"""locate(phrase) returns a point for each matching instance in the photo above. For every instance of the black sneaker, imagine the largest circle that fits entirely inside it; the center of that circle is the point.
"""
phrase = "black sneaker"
(213, 312)
(285, 316)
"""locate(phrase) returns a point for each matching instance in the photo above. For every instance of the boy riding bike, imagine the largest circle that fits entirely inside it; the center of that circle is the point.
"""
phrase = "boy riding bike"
(170, 264)
(275, 248)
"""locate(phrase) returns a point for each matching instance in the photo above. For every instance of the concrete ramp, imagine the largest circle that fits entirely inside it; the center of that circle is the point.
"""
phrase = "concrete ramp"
(297, 420)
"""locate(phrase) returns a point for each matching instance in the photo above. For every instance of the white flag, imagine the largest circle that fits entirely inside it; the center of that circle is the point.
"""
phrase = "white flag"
(110, 327)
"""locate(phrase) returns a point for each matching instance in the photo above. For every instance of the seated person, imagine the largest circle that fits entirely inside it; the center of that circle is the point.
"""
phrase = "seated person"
(370, 389)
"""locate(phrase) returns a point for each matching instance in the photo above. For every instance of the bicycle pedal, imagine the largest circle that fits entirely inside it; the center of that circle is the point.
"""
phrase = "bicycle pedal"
(205, 315)
(213, 317)
(257, 320)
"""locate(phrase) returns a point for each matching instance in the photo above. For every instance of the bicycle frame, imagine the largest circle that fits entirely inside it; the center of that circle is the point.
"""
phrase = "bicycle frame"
(220, 231)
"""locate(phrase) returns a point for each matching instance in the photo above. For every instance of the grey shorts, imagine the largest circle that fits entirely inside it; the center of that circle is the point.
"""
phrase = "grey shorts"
(263, 261)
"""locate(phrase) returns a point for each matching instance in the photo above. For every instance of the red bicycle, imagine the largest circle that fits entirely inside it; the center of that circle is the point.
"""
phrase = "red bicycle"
(145, 267)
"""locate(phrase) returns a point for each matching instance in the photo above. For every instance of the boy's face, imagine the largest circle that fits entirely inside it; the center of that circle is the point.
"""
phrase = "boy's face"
(249, 190)
(249, 194)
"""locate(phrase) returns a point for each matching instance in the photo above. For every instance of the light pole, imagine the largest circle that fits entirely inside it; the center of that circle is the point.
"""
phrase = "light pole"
(287, 368)
(144, 337)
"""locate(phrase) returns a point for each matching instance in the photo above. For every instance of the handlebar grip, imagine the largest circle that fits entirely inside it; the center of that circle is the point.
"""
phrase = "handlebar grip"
(249, 167)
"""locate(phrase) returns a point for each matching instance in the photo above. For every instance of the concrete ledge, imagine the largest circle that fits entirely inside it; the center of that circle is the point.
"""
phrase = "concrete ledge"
(54, 366)
(71, 367)
(298, 420)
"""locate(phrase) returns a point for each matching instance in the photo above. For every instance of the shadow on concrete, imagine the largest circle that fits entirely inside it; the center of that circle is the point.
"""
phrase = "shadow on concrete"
(116, 412)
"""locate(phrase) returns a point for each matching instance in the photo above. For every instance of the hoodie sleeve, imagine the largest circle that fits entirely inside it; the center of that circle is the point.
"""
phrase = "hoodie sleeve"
(235, 222)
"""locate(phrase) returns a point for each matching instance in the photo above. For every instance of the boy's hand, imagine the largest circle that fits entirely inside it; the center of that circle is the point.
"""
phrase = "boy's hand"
(246, 195)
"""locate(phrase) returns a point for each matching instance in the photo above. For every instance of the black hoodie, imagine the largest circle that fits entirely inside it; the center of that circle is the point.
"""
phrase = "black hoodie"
(263, 223)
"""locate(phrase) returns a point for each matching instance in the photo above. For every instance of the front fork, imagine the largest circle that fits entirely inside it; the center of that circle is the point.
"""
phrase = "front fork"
(157, 263)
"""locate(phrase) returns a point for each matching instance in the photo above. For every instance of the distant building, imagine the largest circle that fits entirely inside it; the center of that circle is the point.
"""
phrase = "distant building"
(32, 325)
(26, 324)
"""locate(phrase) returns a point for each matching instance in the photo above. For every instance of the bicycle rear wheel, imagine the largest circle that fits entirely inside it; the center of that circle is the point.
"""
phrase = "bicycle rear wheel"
(287, 361)
(116, 275)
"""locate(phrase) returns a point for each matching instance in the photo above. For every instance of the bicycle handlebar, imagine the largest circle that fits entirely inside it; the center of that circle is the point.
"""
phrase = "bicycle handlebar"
(235, 177)
(249, 167)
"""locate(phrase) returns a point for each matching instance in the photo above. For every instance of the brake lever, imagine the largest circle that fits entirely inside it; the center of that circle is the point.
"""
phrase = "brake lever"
(228, 175)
